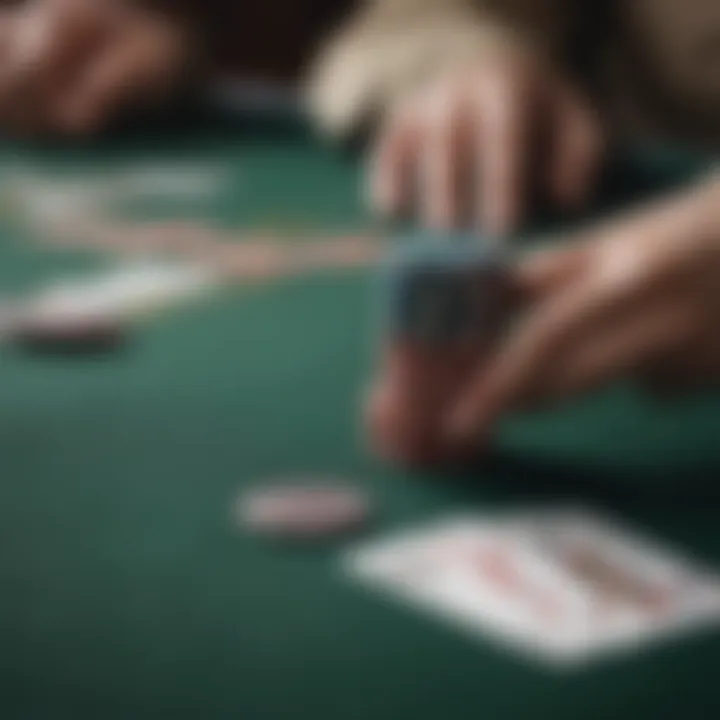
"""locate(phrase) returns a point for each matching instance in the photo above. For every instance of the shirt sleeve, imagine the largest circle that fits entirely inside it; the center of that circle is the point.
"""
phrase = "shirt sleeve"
(391, 44)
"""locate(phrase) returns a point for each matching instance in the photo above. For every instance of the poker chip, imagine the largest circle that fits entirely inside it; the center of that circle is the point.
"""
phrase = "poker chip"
(302, 510)
(67, 333)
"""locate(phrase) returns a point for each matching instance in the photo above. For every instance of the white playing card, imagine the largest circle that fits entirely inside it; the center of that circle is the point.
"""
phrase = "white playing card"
(123, 292)
(564, 586)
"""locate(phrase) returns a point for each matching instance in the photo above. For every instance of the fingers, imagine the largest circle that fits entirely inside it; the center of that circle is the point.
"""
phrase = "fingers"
(71, 63)
(392, 165)
(50, 42)
(54, 39)
(449, 133)
(551, 332)
(472, 137)
(502, 153)
(577, 150)
(25, 34)
(8, 29)
(409, 398)
(107, 84)
(400, 409)
(548, 271)
(430, 147)
(617, 350)
(128, 70)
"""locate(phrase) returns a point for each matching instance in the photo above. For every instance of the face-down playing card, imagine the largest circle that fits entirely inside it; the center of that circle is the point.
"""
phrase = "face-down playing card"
(562, 586)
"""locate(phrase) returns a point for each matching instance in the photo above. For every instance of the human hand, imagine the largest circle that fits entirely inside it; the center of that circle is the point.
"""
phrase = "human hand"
(68, 66)
(463, 146)
(408, 399)
(639, 298)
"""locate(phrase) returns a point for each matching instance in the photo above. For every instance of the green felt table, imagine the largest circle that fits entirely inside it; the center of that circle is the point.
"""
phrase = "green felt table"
(126, 589)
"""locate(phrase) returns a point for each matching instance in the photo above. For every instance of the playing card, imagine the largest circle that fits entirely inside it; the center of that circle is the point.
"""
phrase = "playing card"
(123, 292)
(564, 586)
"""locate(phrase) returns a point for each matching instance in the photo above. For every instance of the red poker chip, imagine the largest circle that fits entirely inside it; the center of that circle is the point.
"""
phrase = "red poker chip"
(302, 511)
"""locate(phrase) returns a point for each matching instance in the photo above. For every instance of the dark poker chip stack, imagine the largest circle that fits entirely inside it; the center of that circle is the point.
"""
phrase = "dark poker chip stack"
(443, 291)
